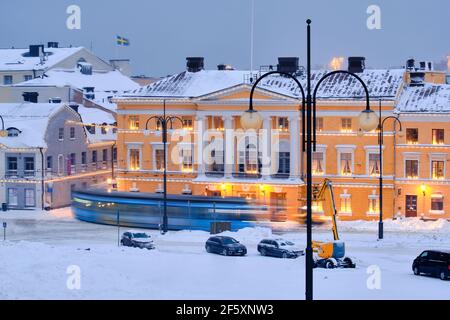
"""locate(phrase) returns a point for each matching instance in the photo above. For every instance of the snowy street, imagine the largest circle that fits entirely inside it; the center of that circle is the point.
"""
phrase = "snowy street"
(41, 249)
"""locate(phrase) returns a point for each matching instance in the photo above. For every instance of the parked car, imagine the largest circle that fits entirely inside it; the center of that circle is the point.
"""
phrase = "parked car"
(279, 248)
(227, 246)
(137, 240)
(433, 263)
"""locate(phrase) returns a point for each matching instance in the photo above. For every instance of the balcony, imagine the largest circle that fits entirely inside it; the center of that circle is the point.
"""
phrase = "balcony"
(14, 174)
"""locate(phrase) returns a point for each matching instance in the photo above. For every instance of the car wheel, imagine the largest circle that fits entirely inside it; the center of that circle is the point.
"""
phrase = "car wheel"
(284, 255)
(443, 276)
(329, 264)
(416, 271)
(263, 252)
(225, 252)
(208, 249)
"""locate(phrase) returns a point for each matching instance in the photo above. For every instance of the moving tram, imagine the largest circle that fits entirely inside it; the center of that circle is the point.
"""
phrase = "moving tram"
(185, 212)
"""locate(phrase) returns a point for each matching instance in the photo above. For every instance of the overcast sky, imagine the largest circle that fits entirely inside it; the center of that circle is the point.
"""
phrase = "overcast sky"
(164, 32)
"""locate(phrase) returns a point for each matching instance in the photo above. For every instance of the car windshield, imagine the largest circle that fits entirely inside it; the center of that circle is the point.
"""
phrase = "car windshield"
(228, 241)
(140, 235)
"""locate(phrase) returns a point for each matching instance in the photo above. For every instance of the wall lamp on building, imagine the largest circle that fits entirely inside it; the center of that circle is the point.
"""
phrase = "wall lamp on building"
(252, 120)
(423, 188)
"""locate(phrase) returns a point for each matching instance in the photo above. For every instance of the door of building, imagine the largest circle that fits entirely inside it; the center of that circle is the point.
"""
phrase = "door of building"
(411, 206)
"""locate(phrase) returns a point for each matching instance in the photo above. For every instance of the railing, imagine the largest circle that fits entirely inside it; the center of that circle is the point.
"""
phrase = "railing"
(20, 174)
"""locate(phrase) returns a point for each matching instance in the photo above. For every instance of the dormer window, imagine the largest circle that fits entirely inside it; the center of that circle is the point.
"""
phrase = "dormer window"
(13, 132)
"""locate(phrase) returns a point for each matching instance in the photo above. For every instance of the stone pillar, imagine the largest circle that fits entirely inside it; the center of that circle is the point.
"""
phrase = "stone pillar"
(228, 146)
(295, 147)
(266, 146)
(200, 130)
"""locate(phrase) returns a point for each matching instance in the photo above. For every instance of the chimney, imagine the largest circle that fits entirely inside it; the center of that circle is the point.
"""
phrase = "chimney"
(417, 79)
(52, 44)
(30, 97)
(410, 64)
(195, 64)
(356, 64)
(223, 67)
(288, 64)
(36, 50)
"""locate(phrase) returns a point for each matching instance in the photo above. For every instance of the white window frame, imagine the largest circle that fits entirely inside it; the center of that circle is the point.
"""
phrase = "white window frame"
(438, 157)
(322, 149)
(345, 195)
(60, 167)
(159, 146)
(373, 196)
(133, 146)
(411, 156)
(345, 149)
(25, 198)
(440, 196)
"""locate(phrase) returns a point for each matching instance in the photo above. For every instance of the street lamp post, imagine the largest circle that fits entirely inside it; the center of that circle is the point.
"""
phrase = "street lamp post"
(251, 119)
(164, 121)
(380, 143)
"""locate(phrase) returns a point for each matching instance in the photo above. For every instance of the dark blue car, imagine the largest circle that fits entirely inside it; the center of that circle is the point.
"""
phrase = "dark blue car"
(227, 246)
(433, 263)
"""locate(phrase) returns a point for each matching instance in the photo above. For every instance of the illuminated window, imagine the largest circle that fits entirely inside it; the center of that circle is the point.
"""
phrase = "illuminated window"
(135, 159)
(248, 158)
(283, 123)
(317, 164)
(319, 124)
(317, 207)
(187, 124)
(412, 135)
(437, 169)
(133, 123)
(374, 164)
(346, 125)
(438, 136)
(217, 123)
(346, 164)
(411, 169)
(186, 156)
(159, 159)
(374, 204)
(346, 203)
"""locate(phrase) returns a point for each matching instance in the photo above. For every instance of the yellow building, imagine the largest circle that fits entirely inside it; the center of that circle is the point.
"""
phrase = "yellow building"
(209, 153)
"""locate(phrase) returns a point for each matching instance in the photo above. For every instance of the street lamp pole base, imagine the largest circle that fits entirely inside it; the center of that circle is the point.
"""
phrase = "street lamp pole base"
(380, 230)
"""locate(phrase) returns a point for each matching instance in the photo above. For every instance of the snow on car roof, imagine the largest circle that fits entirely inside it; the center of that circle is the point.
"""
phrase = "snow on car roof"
(381, 83)
(429, 98)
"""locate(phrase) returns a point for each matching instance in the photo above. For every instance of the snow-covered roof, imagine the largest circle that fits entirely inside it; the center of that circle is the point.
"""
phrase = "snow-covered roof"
(112, 81)
(18, 59)
(381, 83)
(31, 119)
(430, 98)
(95, 115)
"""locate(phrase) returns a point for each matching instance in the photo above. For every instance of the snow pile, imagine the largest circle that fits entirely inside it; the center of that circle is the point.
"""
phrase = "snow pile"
(400, 225)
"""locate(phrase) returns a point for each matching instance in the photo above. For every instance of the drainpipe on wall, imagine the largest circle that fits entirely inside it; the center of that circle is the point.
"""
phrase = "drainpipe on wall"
(42, 179)
(112, 161)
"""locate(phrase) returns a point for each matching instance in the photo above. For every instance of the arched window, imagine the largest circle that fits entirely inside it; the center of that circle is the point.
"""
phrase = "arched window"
(13, 132)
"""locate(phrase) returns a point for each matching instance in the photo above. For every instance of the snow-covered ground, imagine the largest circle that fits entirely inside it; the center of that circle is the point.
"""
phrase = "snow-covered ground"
(45, 250)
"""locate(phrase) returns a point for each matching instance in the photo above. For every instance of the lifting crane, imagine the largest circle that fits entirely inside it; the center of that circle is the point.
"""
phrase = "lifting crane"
(330, 254)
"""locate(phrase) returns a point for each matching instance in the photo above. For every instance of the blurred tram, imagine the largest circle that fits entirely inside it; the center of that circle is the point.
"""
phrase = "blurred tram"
(185, 212)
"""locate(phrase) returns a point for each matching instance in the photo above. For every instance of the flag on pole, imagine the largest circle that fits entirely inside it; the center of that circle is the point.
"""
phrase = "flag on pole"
(121, 41)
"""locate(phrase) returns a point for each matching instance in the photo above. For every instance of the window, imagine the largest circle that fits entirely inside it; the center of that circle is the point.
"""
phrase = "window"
(7, 80)
(437, 136)
(412, 169)
(13, 199)
(91, 129)
(29, 198)
(437, 202)
(283, 124)
(134, 163)
(437, 169)
(374, 204)
(284, 161)
(319, 124)
(105, 155)
(159, 159)
(72, 133)
(317, 164)
(412, 135)
(73, 159)
(187, 124)
(49, 163)
(27, 77)
(94, 156)
(114, 154)
(248, 159)
(12, 165)
(83, 158)
(346, 203)
(29, 165)
(374, 164)
(346, 124)
(104, 128)
(13, 132)
(60, 164)
(61, 134)
(218, 123)
(186, 156)
(346, 164)
(133, 123)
